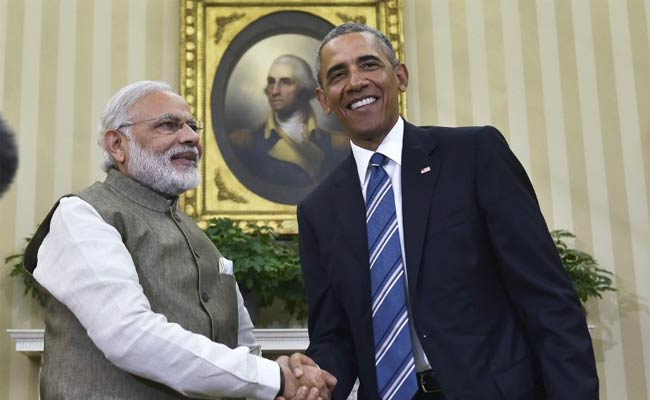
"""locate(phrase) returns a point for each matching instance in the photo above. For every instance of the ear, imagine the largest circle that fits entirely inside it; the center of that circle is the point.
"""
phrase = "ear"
(115, 144)
(402, 74)
(322, 99)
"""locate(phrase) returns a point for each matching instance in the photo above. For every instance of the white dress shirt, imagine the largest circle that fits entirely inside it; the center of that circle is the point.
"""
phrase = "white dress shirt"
(84, 264)
(391, 147)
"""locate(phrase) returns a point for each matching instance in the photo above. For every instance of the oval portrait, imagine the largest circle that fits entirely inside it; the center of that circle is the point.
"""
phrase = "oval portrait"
(269, 127)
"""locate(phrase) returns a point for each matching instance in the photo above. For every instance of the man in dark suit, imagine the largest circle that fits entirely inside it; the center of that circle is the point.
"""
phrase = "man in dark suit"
(488, 310)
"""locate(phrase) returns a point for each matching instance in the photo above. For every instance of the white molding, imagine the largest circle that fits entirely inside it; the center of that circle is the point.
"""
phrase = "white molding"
(295, 339)
(30, 341)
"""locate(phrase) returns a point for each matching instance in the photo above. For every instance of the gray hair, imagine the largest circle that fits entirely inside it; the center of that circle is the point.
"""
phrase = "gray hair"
(303, 73)
(351, 27)
(117, 112)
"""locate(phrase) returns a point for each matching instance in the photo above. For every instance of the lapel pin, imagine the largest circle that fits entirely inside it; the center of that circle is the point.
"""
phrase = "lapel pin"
(425, 170)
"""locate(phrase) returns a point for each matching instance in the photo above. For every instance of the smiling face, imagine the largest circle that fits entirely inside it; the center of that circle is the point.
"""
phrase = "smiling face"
(154, 151)
(161, 109)
(361, 87)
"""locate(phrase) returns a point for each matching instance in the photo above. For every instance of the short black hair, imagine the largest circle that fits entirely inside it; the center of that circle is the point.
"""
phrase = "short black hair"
(351, 27)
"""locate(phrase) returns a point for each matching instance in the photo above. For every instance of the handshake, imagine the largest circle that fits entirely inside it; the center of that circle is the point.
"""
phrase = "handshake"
(304, 380)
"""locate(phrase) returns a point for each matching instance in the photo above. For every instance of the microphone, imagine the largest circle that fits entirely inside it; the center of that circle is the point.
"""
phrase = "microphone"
(8, 156)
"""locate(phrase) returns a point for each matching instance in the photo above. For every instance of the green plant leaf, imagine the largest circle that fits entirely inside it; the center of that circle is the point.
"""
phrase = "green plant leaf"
(264, 262)
(15, 262)
(269, 265)
(589, 280)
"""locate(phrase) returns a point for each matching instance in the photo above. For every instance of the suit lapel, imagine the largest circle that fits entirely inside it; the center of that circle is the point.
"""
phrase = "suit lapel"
(420, 167)
(351, 219)
(351, 213)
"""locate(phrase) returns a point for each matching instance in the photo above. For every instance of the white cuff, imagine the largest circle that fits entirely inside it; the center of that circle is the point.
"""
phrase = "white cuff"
(268, 373)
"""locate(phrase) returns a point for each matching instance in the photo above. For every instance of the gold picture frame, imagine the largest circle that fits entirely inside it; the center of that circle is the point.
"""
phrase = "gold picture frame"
(216, 36)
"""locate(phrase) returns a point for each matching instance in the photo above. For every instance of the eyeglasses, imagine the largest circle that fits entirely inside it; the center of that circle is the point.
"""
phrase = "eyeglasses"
(168, 125)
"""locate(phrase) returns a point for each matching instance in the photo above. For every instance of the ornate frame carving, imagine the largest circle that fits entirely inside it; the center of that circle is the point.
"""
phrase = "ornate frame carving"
(208, 30)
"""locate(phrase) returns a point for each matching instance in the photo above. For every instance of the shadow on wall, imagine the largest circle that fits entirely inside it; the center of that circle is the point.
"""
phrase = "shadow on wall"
(611, 310)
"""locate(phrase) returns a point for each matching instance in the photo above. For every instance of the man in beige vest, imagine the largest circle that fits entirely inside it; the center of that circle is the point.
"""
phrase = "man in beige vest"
(142, 305)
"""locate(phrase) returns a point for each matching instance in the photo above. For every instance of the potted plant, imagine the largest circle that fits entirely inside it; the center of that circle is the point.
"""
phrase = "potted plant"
(587, 277)
(266, 266)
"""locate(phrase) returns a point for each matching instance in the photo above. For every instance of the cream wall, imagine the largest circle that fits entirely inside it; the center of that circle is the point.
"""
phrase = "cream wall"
(60, 60)
(567, 82)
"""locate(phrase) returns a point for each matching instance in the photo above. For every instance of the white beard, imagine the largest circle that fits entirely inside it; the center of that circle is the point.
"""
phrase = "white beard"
(156, 171)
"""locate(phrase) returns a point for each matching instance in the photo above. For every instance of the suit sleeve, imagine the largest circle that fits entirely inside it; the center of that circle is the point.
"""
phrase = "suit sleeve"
(532, 272)
(330, 344)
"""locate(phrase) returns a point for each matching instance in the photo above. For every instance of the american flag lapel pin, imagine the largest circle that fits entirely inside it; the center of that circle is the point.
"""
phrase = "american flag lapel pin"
(425, 170)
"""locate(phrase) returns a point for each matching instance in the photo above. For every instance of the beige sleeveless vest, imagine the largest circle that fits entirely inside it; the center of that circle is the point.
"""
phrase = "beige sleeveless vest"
(177, 266)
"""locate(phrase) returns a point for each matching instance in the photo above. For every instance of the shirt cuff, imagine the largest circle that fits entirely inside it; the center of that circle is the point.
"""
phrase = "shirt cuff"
(268, 373)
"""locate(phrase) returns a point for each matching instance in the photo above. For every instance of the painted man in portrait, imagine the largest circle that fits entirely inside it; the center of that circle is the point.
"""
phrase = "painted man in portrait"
(289, 148)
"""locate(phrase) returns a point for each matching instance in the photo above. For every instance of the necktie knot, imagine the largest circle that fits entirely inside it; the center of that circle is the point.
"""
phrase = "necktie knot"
(377, 160)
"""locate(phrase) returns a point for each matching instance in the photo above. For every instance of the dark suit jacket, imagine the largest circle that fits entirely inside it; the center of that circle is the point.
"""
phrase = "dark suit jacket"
(492, 305)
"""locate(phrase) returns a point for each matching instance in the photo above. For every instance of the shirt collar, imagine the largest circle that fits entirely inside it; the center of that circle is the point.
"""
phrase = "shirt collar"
(271, 125)
(391, 147)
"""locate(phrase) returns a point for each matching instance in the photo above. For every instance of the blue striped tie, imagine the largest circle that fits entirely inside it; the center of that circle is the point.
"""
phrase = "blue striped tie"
(393, 349)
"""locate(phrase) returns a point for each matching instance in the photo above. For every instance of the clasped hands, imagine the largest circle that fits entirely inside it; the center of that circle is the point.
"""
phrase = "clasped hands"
(304, 380)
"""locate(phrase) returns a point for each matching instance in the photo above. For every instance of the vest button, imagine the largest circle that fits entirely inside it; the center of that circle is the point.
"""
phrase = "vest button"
(205, 297)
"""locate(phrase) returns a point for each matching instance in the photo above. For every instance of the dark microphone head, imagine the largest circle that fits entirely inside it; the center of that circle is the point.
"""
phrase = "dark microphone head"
(8, 156)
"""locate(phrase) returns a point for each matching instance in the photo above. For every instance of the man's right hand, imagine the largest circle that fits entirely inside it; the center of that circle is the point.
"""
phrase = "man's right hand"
(304, 380)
